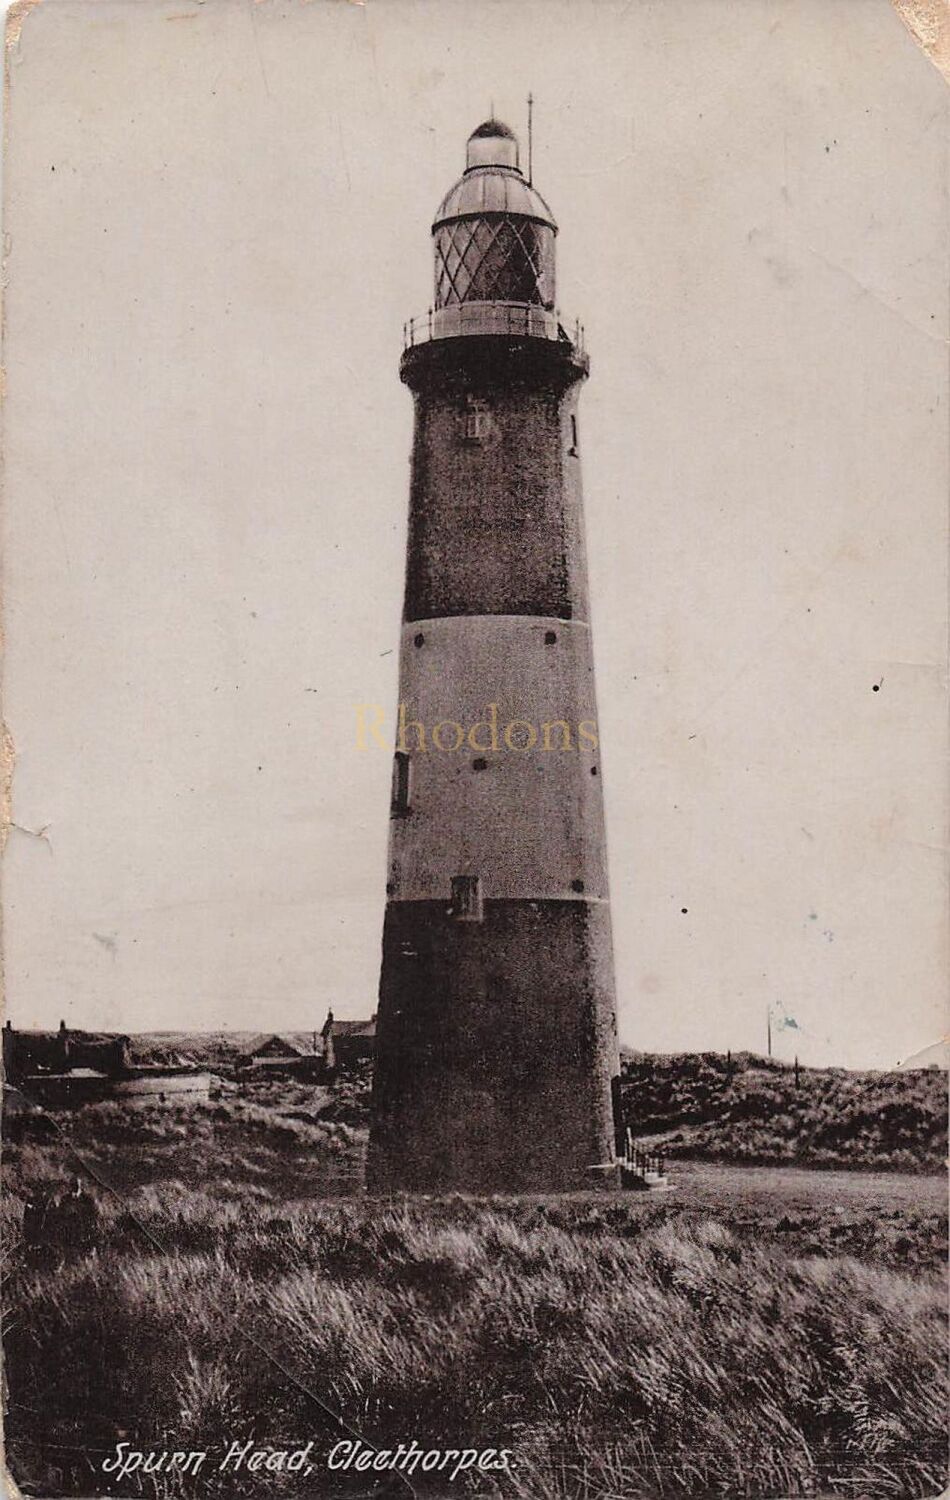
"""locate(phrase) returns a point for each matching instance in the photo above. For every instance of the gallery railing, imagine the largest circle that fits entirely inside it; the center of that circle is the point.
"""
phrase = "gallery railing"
(515, 319)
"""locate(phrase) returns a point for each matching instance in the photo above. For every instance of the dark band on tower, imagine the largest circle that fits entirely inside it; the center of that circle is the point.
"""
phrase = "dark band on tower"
(496, 1048)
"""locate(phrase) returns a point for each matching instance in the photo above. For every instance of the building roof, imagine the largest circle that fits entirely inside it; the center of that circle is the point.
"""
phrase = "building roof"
(69, 1074)
(274, 1045)
(493, 189)
(354, 1028)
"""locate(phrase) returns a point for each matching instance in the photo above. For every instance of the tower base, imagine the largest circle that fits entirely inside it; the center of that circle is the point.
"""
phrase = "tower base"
(496, 1048)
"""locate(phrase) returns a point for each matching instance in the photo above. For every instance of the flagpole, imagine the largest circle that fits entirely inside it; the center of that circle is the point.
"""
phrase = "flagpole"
(530, 139)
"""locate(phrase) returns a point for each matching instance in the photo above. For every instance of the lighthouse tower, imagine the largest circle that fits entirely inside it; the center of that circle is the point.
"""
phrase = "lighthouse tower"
(496, 1047)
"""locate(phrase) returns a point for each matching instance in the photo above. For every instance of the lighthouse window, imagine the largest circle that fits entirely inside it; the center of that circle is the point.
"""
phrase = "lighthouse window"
(467, 897)
(573, 447)
(402, 776)
(476, 421)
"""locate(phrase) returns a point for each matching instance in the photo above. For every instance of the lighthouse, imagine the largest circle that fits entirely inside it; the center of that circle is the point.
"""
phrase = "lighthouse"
(496, 1044)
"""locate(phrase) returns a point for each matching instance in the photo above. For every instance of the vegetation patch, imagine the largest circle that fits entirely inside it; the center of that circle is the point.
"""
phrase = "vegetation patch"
(738, 1336)
(719, 1107)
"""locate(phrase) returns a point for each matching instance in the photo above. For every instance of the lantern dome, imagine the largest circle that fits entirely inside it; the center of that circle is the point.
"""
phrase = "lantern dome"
(493, 233)
(492, 144)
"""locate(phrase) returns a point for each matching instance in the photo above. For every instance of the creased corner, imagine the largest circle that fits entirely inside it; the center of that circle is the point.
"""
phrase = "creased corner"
(928, 22)
(10, 1487)
(16, 16)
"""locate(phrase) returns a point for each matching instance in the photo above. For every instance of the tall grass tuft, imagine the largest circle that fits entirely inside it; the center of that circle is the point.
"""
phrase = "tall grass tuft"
(675, 1361)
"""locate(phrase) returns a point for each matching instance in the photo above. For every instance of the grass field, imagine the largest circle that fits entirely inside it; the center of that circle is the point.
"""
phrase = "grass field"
(755, 1110)
(752, 1333)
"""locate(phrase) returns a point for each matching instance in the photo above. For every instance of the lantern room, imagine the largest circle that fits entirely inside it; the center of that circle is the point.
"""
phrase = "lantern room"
(493, 233)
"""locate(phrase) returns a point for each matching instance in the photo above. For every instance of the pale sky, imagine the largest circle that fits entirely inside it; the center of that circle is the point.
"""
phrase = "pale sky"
(217, 221)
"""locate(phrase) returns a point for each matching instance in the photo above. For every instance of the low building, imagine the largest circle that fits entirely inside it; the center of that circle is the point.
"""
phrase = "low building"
(284, 1055)
(29, 1053)
(347, 1043)
(65, 1068)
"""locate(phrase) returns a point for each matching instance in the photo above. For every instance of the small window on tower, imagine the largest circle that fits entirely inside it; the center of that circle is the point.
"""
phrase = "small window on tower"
(402, 775)
(573, 447)
(467, 898)
(476, 421)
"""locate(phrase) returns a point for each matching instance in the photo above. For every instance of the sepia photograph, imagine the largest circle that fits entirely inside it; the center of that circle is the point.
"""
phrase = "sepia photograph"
(474, 906)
